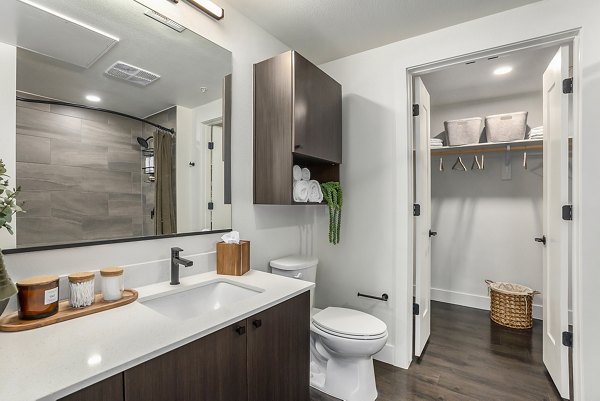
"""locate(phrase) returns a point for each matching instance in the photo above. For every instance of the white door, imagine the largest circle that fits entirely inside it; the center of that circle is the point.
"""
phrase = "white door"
(556, 230)
(422, 222)
(221, 213)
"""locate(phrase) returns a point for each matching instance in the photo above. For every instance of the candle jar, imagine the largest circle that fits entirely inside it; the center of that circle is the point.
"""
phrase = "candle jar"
(112, 283)
(81, 286)
(38, 297)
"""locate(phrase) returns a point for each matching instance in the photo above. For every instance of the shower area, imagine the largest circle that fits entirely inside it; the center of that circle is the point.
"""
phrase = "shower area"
(87, 174)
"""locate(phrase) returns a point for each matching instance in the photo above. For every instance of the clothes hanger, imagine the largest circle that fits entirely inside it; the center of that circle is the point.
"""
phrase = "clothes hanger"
(475, 163)
(462, 165)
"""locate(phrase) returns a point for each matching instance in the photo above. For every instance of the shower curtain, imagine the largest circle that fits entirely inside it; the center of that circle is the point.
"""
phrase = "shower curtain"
(164, 221)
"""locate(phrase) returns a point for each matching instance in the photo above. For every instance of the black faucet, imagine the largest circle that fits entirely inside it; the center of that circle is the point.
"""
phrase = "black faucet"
(175, 262)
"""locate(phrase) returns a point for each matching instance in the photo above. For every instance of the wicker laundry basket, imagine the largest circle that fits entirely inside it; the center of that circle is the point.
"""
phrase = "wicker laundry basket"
(511, 304)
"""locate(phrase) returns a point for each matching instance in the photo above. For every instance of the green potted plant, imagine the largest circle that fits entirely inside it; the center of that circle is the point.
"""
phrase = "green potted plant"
(332, 193)
(8, 207)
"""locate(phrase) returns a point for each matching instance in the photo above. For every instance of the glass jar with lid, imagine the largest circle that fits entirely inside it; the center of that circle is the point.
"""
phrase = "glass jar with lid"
(112, 283)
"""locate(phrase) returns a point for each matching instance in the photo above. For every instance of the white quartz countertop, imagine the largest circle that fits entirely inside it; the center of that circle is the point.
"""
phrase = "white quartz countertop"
(50, 362)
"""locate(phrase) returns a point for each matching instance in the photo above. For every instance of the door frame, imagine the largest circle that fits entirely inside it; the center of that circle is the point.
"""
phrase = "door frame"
(570, 37)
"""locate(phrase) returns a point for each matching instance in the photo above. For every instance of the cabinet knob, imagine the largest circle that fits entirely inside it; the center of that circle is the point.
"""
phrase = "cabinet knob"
(257, 323)
(241, 330)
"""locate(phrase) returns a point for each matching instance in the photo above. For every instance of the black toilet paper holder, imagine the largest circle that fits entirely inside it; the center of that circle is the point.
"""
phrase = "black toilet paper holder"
(384, 297)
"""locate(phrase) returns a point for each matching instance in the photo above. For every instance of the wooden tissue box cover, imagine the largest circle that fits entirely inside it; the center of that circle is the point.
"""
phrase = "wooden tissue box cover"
(233, 259)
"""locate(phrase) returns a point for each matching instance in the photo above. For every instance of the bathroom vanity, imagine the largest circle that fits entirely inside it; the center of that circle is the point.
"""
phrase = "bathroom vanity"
(247, 340)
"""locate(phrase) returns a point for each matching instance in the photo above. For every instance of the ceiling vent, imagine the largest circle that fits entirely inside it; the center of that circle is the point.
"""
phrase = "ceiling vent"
(131, 73)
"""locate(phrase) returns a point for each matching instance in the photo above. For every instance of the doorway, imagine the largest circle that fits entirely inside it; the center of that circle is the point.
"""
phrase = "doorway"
(480, 200)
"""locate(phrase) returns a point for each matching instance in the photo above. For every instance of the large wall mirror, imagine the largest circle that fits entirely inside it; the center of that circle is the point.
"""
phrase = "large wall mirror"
(157, 164)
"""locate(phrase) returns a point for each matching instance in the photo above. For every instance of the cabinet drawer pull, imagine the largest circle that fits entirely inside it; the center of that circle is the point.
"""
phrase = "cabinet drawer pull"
(257, 323)
(241, 330)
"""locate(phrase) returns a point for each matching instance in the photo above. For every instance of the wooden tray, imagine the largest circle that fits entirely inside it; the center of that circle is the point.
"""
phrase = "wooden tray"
(65, 312)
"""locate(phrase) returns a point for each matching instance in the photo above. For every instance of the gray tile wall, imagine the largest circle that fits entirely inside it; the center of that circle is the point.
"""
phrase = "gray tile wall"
(80, 175)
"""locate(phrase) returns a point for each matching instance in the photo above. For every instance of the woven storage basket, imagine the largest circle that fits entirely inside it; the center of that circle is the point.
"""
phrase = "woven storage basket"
(511, 304)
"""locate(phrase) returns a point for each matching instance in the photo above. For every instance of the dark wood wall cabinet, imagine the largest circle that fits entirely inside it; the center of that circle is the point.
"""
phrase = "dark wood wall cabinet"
(262, 358)
(297, 120)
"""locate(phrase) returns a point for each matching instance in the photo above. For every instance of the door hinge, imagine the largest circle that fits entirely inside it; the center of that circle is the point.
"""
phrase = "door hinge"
(211, 206)
(567, 339)
(567, 212)
(568, 85)
(211, 145)
(416, 209)
(415, 309)
(415, 110)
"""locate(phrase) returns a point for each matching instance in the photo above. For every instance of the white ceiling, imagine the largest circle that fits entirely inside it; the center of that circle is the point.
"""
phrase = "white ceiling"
(327, 30)
(470, 82)
(185, 61)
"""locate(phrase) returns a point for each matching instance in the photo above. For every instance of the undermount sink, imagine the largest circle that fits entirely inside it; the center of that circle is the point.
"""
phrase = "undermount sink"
(199, 300)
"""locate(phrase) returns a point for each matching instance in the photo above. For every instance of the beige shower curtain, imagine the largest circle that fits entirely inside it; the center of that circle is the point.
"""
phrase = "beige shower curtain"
(164, 221)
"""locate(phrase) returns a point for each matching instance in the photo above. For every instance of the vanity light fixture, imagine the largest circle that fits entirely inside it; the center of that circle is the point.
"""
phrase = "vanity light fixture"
(207, 7)
(93, 98)
(164, 20)
(503, 70)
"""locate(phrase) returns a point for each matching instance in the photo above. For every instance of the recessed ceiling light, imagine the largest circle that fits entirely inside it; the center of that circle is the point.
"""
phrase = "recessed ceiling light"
(92, 98)
(503, 70)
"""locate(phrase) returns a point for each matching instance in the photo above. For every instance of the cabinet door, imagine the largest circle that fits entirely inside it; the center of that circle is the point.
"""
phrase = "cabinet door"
(278, 352)
(317, 130)
(108, 389)
(212, 368)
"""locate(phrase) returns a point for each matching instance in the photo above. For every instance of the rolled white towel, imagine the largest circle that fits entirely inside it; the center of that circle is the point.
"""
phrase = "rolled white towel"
(301, 191)
(305, 174)
(297, 172)
(314, 191)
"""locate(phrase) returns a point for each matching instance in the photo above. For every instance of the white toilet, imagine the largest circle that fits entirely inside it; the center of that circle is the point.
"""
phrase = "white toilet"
(342, 341)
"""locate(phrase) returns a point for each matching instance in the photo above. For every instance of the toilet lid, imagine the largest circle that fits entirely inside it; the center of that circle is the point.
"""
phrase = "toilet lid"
(349, 322)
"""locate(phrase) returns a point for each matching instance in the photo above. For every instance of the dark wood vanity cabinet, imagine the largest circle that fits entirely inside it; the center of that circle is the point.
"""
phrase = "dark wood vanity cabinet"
(297, 120)
(278, 352)
(262, 358)
(211, 368)
(107, 389)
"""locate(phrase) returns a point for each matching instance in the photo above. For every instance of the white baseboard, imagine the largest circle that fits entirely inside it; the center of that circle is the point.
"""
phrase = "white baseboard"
(472, 300)
(386, 354)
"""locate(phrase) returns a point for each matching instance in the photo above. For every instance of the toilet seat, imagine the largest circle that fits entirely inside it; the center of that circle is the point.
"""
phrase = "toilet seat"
(349, 323)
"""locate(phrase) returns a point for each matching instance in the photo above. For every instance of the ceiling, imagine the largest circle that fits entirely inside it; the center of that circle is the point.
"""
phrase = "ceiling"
(327, 30)
(185, 61)
(470, 82)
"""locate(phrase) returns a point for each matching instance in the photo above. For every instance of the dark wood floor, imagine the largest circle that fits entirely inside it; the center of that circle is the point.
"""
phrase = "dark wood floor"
(469, 358)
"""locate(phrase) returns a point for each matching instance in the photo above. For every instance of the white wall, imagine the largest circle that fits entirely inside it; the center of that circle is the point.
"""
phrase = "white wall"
(375, 91)
(486, 227)
(8, 122)
(273, 231)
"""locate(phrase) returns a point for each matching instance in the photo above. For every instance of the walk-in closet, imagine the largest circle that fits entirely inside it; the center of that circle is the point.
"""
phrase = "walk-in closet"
(486, 207)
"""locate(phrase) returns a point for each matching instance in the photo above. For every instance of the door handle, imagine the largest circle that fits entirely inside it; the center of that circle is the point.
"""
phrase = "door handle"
(432, 233)
(257, 323)
(241, 330)
(542, 239)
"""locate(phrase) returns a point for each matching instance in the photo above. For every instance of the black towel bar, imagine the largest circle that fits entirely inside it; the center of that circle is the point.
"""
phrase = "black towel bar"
(384, 297)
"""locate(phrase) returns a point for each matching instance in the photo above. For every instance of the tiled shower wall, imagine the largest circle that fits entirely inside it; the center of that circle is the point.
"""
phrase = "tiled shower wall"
(80, 175)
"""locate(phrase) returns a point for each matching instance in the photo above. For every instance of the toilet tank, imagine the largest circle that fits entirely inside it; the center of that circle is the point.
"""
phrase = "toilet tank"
(298, 267)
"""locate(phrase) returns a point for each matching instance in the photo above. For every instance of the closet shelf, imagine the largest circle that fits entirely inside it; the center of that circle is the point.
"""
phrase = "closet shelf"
(489, 147)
